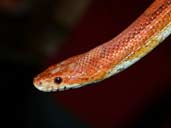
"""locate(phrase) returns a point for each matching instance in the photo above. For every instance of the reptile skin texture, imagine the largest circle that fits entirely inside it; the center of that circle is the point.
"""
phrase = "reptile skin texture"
(112, 57)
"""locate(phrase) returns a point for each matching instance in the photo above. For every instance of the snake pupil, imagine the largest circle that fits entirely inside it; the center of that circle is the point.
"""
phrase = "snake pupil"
(58, 80)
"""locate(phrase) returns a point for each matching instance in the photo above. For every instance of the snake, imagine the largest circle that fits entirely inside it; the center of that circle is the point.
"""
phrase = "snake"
(151, 28)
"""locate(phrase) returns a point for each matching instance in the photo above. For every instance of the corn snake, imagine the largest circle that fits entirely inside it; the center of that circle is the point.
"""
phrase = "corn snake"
(110, 58)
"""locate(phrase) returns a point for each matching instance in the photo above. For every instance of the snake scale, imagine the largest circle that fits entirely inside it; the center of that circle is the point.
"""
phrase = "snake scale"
(112, 57)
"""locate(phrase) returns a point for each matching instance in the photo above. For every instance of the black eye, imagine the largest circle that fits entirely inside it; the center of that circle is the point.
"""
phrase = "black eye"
(58, 80)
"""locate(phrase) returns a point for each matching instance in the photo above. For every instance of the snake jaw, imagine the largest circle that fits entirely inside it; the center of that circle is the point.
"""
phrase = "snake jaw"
(69, 81)
(47, 86)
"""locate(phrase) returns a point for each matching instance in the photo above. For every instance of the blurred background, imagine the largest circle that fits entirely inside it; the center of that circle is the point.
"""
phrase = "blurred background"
(37, 33)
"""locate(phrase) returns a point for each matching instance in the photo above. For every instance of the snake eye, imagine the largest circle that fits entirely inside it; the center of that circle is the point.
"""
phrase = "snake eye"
(58, 80)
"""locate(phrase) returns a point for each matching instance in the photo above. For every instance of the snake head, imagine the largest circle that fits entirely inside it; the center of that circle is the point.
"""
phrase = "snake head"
(62, 76)
(56, 77)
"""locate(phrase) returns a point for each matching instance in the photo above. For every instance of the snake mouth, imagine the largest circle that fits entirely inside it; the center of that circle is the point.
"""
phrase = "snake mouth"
(49, 87)
(40, 87)
(52, 89)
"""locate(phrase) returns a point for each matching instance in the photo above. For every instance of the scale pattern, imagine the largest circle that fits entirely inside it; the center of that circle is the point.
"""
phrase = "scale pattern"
(143, 35)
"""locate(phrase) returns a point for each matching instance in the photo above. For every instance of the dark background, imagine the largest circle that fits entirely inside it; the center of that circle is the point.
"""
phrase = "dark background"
(38, 33)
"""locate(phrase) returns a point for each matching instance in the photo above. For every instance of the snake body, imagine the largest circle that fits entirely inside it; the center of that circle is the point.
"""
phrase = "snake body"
(110, 58)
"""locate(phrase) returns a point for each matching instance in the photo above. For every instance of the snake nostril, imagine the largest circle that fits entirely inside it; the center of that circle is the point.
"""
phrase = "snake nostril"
(38, 83)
